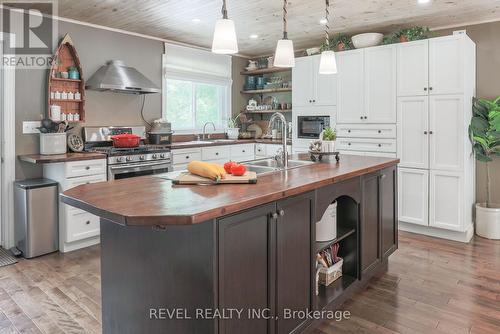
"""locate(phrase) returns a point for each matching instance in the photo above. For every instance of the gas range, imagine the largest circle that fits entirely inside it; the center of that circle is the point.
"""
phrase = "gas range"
(128, 162)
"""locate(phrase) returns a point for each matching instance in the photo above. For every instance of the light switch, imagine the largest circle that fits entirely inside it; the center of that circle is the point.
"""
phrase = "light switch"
(30, 127)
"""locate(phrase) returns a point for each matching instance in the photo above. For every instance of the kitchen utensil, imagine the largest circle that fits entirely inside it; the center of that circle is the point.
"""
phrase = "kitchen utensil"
(187, 178)
(126, 140)
(366, 40)
(75, 142)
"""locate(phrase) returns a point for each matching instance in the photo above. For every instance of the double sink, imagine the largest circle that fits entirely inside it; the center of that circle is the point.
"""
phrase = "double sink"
(264, 166)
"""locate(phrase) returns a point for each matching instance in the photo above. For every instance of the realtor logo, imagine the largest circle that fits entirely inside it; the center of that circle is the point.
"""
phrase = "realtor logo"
(29, 32)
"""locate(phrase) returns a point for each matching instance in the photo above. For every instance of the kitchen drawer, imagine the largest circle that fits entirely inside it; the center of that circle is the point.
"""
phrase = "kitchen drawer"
(84, 168)
(186, 157)
(215, 153)
(81, 225)
(77, 181)
(242, 152)
(366, 130)
(260, 150)
(368, 145)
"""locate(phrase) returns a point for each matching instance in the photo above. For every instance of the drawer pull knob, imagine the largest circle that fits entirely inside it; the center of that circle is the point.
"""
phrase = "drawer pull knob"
(87, 222)
(282, 213)
(379, 131)
(361, 117)
(87, 167)
(349, 131)
(349, 144)
(187, 156)
(366, 117)
(379, 145)
(216, 153)
(243, 151)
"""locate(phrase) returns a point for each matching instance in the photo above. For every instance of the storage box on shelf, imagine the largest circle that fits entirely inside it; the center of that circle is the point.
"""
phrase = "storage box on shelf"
(436, 83)
(60, 90)
(77, 228)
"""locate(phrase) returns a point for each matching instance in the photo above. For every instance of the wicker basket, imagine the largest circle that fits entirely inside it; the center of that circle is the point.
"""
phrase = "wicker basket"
(329, 275)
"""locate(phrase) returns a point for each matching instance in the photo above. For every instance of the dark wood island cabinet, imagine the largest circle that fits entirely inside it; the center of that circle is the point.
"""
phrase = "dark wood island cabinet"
(237, 259)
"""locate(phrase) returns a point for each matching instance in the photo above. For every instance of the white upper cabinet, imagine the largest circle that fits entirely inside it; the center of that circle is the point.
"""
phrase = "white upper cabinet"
(413, 131)
(447, 132)
(446, 65)
(325, 86)
(413, 68)
(351, 87)
(303, 87)
(311, 88)
(380, 84)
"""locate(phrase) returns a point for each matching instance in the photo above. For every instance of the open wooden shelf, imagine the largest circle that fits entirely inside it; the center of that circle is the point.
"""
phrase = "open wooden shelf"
(328, 294)
(266, 71)
(67, 80)
(264, 91)
(265, 111)
(342, 233)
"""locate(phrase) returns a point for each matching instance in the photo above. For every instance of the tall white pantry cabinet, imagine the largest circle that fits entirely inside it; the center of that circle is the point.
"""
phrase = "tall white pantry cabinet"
(436, 82)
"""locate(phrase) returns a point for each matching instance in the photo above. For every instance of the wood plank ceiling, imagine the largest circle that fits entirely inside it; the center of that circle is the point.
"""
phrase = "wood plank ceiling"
(173, 19)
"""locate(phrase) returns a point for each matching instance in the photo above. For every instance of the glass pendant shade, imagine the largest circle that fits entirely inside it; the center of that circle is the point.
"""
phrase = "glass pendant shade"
(225, 41)
(284, 55)
(328, 63)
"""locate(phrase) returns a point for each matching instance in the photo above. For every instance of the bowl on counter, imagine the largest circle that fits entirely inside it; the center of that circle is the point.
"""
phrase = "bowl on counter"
(366, 40)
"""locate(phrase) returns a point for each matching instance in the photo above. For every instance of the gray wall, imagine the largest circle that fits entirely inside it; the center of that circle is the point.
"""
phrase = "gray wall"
(486, 37)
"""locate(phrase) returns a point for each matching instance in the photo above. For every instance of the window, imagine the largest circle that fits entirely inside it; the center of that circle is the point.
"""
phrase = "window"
(191, 103)
(196, 88)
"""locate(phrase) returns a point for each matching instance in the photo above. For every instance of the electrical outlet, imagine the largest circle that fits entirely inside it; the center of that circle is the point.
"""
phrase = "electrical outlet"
(30, 127)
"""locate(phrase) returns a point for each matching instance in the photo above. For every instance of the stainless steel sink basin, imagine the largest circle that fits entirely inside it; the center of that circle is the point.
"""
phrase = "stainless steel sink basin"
(260, 169)
(274, 164)
(223, 141)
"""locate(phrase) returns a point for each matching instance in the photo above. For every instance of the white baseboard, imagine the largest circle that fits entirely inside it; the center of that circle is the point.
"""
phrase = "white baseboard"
(69, 247)
(437, 232)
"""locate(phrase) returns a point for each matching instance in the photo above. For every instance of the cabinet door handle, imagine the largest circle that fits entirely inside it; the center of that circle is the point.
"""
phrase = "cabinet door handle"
(282, 213)
(310, 101)
(430, 88)
(349, 144)
(187, 156)
(216, 153)
(274, 215)
(366, 117)
(430, 132)
(314, 100)
(425, 89)
(87, 167)
(243, 151)
(361, 117)
(379, 145)
(379, 131)
(349, 131)
(87, 222)
(383, 176)
(425, 132)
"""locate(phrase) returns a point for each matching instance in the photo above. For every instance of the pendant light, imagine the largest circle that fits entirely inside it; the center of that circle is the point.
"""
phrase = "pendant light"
(284, 55)
(224, 41)
(327, 63)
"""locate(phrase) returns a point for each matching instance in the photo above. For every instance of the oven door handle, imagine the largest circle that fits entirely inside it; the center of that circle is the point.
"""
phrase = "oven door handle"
(138, 165)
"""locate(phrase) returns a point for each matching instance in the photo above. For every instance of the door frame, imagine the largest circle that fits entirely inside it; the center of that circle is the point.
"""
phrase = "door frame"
(8, 150)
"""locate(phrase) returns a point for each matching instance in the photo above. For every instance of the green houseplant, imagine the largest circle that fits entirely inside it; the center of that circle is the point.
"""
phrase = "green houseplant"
(407, 35)
(484, 131)
(232, 130)
(328, 137)
(338, 42)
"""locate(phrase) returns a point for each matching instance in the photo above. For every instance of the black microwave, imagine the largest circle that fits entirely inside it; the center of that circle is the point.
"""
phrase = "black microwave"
(310, 127)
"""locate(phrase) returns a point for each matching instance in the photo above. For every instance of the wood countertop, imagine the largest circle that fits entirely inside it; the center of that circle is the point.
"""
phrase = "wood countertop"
(193, 144)
(46, 159)
(152, 200)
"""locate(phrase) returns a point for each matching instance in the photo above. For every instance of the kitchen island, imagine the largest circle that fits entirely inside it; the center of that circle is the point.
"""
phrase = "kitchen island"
(237, 258)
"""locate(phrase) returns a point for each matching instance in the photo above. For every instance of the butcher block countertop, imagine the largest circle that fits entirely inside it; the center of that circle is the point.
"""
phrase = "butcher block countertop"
(46, 159)
(152, 200)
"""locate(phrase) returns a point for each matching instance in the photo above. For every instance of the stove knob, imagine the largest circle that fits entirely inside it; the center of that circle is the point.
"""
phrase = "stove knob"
(155, 156)
(142, 157)
(119, 159)
(128, 159)
(162, 155)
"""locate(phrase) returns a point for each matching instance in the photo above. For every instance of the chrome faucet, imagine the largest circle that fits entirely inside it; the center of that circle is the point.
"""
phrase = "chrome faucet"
(282, 155)
(205, 128)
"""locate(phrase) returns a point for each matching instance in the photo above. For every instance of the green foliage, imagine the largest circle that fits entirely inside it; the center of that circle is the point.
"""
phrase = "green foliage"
(329, 134)
(484, 129)
(233, 122)
(407, 34)
(338, 42)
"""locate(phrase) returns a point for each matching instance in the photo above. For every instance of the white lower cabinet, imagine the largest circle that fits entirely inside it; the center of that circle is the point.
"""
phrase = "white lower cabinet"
(446, 205)
(413, 192)
(77, 228)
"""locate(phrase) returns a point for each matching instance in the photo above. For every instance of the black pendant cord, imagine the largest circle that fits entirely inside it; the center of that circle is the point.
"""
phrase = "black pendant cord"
(327, 23)
(224, 10)
(285, 22)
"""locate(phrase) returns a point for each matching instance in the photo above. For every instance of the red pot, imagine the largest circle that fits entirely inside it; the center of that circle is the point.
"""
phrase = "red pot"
(126, 140)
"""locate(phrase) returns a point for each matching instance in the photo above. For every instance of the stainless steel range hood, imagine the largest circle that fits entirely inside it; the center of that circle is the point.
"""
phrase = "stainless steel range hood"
(117, 77)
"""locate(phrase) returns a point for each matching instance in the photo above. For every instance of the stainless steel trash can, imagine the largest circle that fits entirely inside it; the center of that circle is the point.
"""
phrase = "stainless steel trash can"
(36, 217)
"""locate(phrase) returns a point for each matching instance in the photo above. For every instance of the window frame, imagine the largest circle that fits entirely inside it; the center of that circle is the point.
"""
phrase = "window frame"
(225, 101)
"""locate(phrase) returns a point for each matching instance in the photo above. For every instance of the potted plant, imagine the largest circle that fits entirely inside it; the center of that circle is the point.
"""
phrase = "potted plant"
(413, 34)
(232, 129)
(484, 132)
(328, 137)
(338, 43)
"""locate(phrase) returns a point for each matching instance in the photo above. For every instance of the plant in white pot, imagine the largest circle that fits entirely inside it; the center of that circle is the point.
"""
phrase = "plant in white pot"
(328, 137)
(232, 129)
(484, 131)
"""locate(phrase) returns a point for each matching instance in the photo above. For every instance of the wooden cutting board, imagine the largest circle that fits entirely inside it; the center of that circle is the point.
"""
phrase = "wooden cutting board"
(188, 178)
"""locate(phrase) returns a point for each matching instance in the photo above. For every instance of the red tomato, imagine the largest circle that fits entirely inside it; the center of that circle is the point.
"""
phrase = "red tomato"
(238, 170)
(228, 165)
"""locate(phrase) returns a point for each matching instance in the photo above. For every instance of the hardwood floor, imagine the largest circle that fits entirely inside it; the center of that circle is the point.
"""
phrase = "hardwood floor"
(432, 286)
